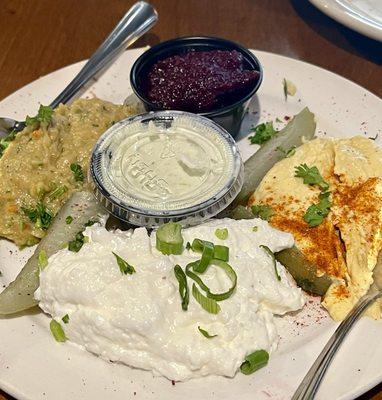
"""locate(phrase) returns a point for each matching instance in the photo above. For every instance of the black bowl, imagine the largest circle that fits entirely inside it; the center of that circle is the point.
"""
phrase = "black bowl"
(229, 116)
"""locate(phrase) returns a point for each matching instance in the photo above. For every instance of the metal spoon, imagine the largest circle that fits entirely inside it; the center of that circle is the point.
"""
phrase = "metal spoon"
(310, 384)
(137, 21)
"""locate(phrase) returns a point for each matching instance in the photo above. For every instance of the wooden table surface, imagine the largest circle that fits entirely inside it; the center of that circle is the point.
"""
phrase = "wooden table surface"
(40, 36)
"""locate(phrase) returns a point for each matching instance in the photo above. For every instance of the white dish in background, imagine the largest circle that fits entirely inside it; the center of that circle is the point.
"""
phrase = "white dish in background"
(33, 366)
(363, 16)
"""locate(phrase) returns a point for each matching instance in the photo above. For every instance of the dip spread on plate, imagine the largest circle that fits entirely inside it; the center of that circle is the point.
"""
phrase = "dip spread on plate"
(44, 164)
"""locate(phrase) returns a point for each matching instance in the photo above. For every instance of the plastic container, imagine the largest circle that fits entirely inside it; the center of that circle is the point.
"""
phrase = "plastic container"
(166, 166)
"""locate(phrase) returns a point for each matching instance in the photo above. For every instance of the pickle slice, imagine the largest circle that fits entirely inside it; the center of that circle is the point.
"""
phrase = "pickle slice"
(303, 271)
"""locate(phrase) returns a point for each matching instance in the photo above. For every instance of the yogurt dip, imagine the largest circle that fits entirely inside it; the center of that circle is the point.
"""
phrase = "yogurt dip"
(138, 319)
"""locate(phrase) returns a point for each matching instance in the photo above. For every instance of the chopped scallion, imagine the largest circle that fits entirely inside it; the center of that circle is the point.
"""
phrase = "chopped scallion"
(221, 234)
(183, 287)
(124, 266)
(57, 331)
(254, 362)
(65, 319)
(270, 253)
(205, 333)
(169, 238)
(42, 259)
(207, 304)
(69, 219)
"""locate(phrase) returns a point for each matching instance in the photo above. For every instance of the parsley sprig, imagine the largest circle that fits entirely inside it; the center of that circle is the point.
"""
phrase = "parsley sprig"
(315, 213)
(44, 114)
(263, 133)
(39, 215)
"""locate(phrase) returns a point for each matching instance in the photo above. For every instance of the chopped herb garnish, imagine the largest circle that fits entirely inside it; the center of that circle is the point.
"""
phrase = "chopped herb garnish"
(42, 259)
(76, 244)
(316, 213)
(44, 114)
(69, 219)
(124, 266)
(58, 192)
(91, 222)
(77, 172)
(57, 331)
(262, 211)
(221, 234)
(311, 176)
(255, 228)
(271, 254)
(4, 142)
(188, 245)
(287, 153)
(263, 133)
(278, 120)
(39, 215)
(254, 361)
(205, 333)
(183, 287)
(169, 239)
(65, 319)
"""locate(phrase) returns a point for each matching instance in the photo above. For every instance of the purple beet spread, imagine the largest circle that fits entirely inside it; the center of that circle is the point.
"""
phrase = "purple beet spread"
(200, 81)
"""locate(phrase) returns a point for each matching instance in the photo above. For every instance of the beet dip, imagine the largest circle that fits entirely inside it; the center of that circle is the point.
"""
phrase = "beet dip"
(200, 81)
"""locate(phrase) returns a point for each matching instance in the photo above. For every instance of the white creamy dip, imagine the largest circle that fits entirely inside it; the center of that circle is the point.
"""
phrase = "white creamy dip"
(138, 320)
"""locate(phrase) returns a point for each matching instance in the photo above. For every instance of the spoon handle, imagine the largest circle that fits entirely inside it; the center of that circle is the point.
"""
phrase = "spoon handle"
(310, 384)
(138, 20)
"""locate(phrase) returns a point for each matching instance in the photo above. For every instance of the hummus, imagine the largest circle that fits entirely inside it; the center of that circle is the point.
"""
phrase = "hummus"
(346, 244)
(36, 166)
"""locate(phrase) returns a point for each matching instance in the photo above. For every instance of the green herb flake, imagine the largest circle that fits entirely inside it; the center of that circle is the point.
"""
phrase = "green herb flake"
(263, 133)
(210, 305)
(57, 331)
(287, 153)
(311, 176)
(58, 192)
(255, 229)
(254, 362)
(78, 173)
(271, 254)
(40, 216)
(221, 234)
(44, 115)
(188, 246)
(91, 222)
(183, 286)
(205, 333)
(42, 259)
(65, 319)
(262, 211)
(316, 213)
(5, 141)
(124, 266)
(69, 219)
(76, 244)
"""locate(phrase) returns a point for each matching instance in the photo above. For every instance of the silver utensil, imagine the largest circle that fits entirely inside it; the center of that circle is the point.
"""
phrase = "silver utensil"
(310, 384)
(137, 21)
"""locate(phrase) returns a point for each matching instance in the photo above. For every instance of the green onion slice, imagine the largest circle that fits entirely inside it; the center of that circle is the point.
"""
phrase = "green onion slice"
(215, 296)
(209, 305)
(254, 361)
(123, 265)
(42, 259)
(207, 255)
(65, 319)
(219, 252)
(169, 238)
(205, 333)
(183, 287)
(221, 234)
(57, 331)
(270, 253)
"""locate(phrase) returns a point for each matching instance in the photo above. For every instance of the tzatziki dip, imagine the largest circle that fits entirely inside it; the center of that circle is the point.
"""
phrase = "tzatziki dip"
(119, 298)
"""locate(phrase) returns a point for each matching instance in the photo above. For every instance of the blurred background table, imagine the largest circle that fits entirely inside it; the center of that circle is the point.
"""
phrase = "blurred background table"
(40, 36)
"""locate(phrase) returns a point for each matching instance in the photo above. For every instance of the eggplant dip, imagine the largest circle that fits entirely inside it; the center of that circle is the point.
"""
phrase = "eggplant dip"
(44, 164)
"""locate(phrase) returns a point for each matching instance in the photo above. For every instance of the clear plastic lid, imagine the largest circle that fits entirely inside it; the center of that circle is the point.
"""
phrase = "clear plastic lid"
(166, 166)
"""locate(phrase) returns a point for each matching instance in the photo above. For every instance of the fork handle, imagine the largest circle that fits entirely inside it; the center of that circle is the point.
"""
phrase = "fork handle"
(310, 384)
(138, 20)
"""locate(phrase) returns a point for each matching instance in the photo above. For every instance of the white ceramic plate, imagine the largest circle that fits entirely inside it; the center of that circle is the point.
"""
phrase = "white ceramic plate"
(364, 16)
(33, 366)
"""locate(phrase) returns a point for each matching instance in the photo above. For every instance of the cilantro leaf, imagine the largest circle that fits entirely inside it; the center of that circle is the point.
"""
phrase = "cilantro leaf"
(39, 215)
(316, 213)
(44, 114)
(77, 172)
(311, 176)
(263, 133)
(262, 211)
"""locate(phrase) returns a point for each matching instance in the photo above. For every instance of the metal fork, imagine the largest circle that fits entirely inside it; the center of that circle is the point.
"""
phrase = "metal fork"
(310, 384)
(137, 21)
